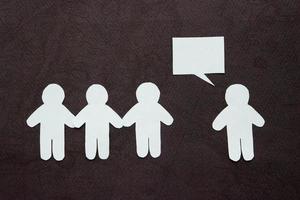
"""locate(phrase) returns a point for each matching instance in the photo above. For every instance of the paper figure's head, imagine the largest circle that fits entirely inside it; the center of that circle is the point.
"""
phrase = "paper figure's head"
(237, 94)
(53, 94)
(147, 93)
(96, 94)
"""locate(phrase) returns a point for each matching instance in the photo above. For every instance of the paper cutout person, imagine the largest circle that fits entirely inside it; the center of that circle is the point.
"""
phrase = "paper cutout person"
(148, 115)
(52, 116)
(97, 116)
(238, 116)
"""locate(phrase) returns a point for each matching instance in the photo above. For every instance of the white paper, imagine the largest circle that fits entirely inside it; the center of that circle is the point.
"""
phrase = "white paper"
(52, 117)
(97, 116)
(238, 117)
(198, 56)
(147, 115)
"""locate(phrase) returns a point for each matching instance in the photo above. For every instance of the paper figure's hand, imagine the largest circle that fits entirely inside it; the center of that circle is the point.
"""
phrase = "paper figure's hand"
(220, 122)
(30, 123)
(216, 126)
(80, 118)
(127, 120)
(169, 122)
(127, 123)
(130, 117)
(118, 125)
(36, 117)
(77, 123)
(165, 116)
(71, 125)
(114, 118)
(257, 119)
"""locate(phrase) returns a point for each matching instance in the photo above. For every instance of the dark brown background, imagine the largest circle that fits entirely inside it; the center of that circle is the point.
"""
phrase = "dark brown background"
(121, 44)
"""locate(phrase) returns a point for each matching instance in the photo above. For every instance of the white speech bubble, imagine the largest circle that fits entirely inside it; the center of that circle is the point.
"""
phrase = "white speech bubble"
(198, 56)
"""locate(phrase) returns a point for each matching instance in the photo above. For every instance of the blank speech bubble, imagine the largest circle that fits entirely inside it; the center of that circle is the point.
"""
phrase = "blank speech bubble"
(198, 56)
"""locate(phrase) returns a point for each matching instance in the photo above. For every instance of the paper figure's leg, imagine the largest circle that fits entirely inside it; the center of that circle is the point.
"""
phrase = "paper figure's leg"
(234, 147)
(45, 147)
(247, 147)
(103, 147)
(59, 148)
(90, 147)
(155, 145)
(141, 145)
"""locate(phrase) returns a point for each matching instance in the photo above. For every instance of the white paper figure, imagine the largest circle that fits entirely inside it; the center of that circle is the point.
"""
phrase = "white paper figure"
(148, 115)
(52, 117)
(238, 117)
(198, 56)
(97, 116)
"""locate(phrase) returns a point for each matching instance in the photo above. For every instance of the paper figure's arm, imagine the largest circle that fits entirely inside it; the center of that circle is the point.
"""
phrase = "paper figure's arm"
(69, 117)
(80, 118)
(166, 117)
(220, 122)
(36, 117)
(115, 119)
(130, 117)
(257, 119)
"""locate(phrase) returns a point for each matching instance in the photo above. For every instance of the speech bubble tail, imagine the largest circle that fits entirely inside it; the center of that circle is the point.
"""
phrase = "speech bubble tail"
(205, 78)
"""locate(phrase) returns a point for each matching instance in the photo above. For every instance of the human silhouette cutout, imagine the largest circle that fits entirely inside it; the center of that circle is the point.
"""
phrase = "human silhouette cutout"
(238, 117)
(52, 117)
(147, 114)
(97, 116)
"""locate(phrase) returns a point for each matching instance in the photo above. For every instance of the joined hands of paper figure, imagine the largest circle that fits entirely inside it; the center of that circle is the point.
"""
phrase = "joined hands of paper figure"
(147, 114)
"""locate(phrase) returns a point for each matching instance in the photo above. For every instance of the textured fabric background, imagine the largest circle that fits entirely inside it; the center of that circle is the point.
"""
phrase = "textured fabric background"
(121, 44)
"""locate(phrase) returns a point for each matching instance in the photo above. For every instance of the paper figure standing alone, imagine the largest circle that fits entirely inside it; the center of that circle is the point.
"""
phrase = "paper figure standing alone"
(148, 115)
(238, 117)
(52, 116)
(97, 116)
